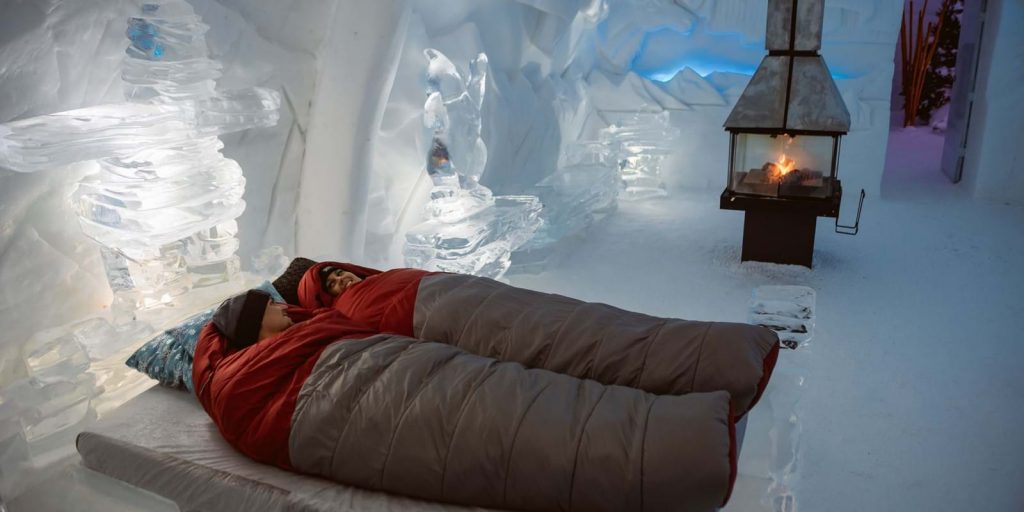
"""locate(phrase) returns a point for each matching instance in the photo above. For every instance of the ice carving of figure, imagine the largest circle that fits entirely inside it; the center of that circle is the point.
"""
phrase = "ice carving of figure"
(162, 207)
(451, 116)
(468, 230)
(164, 202)
(643, 141)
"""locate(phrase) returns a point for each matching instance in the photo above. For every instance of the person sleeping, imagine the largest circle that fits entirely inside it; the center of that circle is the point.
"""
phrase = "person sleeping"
(552, 332)
(249, 318)
(380, 299)
(319, 393)
(250, 356)
(325, 281)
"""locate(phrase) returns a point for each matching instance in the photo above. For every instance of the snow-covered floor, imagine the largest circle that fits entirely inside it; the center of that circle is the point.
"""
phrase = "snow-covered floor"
(913, 398)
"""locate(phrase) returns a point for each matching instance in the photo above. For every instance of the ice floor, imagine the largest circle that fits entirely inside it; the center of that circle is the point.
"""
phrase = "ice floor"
(913, 397)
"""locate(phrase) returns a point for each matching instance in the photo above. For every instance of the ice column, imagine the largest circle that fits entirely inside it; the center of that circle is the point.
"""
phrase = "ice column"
(468, 229)
(642, 142)
(164, 202)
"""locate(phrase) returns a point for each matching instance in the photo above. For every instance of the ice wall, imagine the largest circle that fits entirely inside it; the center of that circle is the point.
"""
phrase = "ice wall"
(57, 55)
(563, 71)
(693, 58)
(994, 162)
(533, 102)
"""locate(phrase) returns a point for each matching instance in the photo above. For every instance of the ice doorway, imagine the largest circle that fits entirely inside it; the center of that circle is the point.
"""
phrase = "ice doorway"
(933, 78)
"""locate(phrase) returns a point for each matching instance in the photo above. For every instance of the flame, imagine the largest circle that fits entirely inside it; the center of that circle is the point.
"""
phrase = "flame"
(786, 165)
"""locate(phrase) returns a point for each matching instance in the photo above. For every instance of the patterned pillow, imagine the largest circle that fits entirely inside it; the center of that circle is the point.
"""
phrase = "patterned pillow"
(168, 357)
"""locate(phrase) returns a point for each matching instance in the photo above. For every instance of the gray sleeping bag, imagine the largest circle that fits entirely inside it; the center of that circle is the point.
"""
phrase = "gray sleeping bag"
(595, 341)
(430, 420)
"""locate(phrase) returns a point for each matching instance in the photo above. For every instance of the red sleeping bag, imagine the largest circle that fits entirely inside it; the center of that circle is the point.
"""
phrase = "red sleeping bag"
(250, 393)
(383, 300)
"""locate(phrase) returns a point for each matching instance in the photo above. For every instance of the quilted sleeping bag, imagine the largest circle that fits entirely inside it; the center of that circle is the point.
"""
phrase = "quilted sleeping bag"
(430, 420)
(565, 335)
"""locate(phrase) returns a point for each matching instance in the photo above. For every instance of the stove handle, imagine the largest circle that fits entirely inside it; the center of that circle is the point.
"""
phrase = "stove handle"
(852, 230)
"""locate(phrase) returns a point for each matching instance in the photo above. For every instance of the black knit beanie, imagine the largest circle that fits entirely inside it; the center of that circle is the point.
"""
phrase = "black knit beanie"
(324, 272)
(240, 317)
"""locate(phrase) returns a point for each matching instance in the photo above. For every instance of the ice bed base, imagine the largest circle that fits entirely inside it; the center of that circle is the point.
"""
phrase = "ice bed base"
(162, 441)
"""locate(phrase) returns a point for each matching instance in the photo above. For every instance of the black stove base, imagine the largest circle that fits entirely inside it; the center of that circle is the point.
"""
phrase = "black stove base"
(779, 237)
(781, 229)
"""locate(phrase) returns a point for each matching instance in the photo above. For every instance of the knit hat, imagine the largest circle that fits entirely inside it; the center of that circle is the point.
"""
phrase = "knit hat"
(311, 292)
(239, 318)
(324, 273)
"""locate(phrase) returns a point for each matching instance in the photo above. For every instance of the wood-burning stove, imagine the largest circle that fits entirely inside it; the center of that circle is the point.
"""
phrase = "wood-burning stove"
(785, 135)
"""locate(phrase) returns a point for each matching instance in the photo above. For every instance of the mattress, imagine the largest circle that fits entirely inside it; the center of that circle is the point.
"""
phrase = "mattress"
(164, 442)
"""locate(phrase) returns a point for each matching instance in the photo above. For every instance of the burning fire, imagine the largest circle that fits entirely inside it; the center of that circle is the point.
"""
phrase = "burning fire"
(785, 165)
(778, 169)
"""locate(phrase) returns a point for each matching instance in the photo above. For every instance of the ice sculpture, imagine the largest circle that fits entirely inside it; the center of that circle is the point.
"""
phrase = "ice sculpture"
(164, 202)
(42, 412)
(642, 141)
(468, 230)
(270, 263)
(787, 310)
(585, 187)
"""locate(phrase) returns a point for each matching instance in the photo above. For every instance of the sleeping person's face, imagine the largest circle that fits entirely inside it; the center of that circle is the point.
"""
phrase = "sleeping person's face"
(339, 280)
(275, 320)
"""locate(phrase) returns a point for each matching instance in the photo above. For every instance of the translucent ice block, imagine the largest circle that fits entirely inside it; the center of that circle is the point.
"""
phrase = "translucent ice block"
(437, 245)
(453, 204)
(167, 57)
(642, 143)
(54, 140)
(124, 130)
(101, 339)
(48, 408)
(234, 110)
(53, 358)
(584, 188)
(787, 310)
(510, 216)
(146, 278)
(270, 263)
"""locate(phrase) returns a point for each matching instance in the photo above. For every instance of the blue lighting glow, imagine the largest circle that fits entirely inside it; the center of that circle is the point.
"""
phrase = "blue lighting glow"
(664, 52)
(704, 65)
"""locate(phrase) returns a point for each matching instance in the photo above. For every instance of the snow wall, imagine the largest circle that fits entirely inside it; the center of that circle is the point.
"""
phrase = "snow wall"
(560, 75)
(342, 172)
(994, 162)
